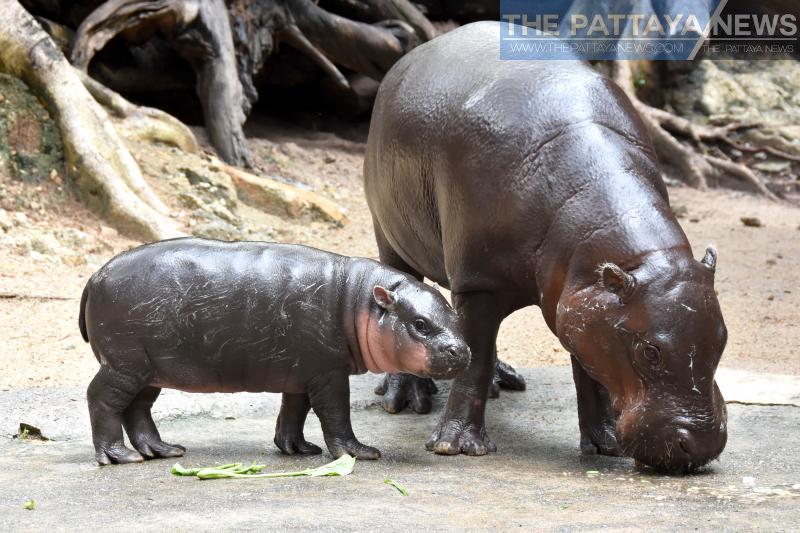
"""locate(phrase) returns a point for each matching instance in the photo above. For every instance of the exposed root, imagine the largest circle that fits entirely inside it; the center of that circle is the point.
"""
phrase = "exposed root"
(103, 169)
(694, 166)
(117, 16)
(142, 123)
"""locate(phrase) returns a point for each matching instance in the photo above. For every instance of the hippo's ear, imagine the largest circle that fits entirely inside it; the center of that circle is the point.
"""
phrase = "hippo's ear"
(617, 280)
(710, 259)
(385, 298)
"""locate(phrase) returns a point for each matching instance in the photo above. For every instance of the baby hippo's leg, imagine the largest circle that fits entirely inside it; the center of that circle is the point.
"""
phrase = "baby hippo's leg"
(109, 395)
(330, 399)
(141, 429)
(289, 429)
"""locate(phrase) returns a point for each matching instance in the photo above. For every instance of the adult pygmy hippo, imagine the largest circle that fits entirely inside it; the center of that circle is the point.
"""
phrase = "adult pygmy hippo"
(209, 316)
(518, 183)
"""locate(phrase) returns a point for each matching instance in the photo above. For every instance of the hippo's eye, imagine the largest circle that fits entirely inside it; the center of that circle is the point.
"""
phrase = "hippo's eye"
(652, 354)
(421, 326)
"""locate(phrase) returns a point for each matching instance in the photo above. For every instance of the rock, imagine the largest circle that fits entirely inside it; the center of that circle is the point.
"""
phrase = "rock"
(751, 222)
(680, 211)
(282, 199)
(775, 167)
(211, 186)
(216, 229)
(761, 92)
(45, 244)
(73, 238)
(30, 142)
(5, 221)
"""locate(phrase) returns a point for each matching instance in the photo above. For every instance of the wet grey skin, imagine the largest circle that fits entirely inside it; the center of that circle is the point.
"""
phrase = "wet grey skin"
(209, 316)
(518, 183)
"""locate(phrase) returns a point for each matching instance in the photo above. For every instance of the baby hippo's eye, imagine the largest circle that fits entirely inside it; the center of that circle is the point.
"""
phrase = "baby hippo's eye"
(652, 354)
(421, 326)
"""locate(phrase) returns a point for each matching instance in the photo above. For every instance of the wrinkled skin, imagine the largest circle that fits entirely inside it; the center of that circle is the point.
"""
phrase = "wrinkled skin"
(518, 183)
(208, 316)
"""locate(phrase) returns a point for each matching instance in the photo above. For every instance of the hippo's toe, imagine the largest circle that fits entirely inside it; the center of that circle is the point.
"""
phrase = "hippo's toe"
(291, 444)
(159, 448)
(354, 448)
(400, 390)
(453, 437)
(117, 454)
(600, 443)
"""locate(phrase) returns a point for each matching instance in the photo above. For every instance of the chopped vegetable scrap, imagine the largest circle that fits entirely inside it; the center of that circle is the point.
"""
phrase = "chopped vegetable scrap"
(397, 485)
(340, 467)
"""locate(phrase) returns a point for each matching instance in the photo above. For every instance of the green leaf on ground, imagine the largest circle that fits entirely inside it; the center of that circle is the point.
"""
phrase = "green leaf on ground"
(340, 467)
(30, 505)
(400, 488)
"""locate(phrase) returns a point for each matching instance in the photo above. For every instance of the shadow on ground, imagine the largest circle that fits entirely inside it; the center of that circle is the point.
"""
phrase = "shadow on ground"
(536, 480)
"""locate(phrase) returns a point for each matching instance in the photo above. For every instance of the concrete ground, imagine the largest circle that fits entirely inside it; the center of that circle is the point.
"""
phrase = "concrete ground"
(537, 480)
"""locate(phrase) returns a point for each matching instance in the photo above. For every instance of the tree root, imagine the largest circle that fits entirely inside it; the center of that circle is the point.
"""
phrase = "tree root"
(694, 165)
(103, 169)
(141, 123)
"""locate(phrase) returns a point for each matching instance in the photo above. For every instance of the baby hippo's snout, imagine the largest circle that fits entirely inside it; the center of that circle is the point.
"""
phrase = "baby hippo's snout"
(450, 360)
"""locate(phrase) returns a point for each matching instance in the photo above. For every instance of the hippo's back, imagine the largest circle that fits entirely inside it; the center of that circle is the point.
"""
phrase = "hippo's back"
(470, 156)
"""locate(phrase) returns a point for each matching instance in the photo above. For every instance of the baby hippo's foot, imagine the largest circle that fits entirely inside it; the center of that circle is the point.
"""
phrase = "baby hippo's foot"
(506, 377)
(293, 443)
(452, 437)
(116, 453)
(351, 446)
(152, 448)
(399, 390)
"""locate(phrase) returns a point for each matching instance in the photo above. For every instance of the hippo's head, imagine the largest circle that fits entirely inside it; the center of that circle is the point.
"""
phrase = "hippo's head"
(653, 336)
(412, 329)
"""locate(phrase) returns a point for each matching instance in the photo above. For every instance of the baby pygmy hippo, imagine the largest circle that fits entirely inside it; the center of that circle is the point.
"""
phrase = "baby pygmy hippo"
(210, 316)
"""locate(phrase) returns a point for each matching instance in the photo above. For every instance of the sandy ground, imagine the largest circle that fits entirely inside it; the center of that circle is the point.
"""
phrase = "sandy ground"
(757, 275)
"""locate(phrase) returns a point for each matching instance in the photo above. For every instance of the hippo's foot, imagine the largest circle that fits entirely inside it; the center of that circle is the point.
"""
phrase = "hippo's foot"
(602, 442)
(506, 377)
(400, 390)
(289, 427)
(155, 448)
(118, 454)
(596, 418)
(142, 431)
(453, 437)
(292, 444)
(351, 446)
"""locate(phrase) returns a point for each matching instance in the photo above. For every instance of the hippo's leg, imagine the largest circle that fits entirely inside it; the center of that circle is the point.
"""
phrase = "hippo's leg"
(462, 428)
(109, 395)
(141, 429)
(400, 390)
(595, 415)
(289, 428)
(505, 377)
(330, 399)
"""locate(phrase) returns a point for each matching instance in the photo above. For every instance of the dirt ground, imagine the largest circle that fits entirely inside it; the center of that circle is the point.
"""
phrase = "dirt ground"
(41, 278)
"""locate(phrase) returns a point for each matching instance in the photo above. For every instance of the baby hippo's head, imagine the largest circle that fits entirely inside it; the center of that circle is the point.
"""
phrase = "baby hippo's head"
(415, 331)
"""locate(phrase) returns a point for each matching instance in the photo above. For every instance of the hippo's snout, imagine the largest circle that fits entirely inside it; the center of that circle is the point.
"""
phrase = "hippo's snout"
(676, 443)
(450, 360)
(681, 450)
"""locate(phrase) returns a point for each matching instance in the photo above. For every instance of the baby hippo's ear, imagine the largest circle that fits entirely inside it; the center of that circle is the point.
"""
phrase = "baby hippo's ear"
(385, 298)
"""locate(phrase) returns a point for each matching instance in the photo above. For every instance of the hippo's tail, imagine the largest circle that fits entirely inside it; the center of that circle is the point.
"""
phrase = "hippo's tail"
(82, 314)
